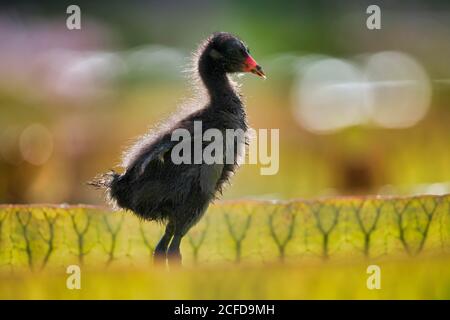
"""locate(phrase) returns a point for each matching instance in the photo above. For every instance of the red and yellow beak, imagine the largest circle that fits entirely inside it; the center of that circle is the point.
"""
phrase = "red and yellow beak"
(250, 65)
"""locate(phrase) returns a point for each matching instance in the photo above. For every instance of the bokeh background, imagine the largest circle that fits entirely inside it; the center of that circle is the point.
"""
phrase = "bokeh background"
(359, 111)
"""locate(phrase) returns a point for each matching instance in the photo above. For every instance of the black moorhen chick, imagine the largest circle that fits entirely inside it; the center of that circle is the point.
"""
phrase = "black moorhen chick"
(156, 188)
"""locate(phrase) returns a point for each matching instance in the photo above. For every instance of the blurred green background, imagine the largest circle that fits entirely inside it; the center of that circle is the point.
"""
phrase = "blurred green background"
(359, 111)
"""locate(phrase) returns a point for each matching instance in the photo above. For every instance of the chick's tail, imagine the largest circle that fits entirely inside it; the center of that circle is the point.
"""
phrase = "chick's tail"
(105, 180)
(116, 187)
